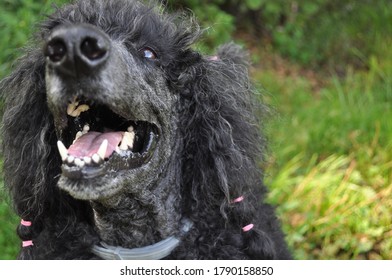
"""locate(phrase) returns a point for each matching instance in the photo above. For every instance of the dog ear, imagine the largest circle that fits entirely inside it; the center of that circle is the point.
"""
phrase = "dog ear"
(222, 141)
(28, 133)
(223, 147)
(28, 143)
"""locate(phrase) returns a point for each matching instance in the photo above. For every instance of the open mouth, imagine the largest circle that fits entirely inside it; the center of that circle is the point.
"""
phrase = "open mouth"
(100, 141)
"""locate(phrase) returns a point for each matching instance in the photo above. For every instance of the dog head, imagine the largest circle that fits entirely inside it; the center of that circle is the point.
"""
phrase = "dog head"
(113, 104)
(112, 99)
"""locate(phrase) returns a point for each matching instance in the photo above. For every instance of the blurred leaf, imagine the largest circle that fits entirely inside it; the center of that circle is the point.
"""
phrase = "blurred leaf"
(254, 4)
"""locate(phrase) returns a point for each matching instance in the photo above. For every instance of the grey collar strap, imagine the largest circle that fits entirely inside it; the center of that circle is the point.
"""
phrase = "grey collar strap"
(155, 251)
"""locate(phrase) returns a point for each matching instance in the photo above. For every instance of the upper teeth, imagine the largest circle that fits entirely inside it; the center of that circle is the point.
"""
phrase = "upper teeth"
(74, 109)
(86, 128)
(63, 150)
(127, 140)
(79, 134)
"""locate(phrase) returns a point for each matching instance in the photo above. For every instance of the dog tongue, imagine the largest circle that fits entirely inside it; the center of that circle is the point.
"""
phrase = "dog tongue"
(88, 144)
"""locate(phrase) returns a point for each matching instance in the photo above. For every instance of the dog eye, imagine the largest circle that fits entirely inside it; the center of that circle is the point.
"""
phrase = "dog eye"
(149, 53)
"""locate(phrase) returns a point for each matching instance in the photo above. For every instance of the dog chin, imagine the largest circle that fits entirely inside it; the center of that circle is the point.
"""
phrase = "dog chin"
(91, 189)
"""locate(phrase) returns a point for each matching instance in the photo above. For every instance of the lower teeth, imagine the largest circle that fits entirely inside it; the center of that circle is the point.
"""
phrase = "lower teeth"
(97, 158)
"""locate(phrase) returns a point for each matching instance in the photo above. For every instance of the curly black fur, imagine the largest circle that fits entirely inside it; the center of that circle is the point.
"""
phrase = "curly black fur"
(207, 155)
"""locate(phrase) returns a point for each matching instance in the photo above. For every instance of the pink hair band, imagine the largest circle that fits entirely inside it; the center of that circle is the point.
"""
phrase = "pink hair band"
(248, 227)
(27, 243)
(238, 199)
(25, 223)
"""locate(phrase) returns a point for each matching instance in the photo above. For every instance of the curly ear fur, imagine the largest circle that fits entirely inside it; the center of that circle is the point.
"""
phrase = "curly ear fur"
(27, 153)
(220, 129)
(30, 155)
(222, 150)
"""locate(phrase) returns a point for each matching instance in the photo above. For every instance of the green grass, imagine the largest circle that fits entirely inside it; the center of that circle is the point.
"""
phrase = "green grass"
(9, 242)
(18, 18)
(331, 169)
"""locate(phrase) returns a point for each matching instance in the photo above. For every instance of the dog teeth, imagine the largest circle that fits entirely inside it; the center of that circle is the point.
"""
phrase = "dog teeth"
(70, 159)
(102, 149)
(87, 160)
(72, 106)
(82, 162)
(96, 158)
(127, 140)
(79, 162)
(126, 143)
(86, 128)
(74, 109)
(62, 150)
(78, 110)
(78, 135)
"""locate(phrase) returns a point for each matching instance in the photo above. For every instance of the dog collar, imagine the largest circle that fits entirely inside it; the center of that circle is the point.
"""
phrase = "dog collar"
(155, 251)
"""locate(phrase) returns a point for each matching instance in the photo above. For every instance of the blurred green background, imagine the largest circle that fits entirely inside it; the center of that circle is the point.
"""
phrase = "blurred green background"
(325, 69)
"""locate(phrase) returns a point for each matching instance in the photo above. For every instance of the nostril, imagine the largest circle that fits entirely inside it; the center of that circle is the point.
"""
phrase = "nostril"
(77, 50)
(55, 50)
(92, 49)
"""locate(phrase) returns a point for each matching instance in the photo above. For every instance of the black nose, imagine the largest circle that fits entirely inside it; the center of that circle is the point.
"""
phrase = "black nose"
(77, 49)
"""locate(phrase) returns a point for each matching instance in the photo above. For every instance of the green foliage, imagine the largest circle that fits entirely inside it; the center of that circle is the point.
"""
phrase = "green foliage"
(219, 25)
(334, 32)
(347, 112)
(9, 242)
(332, 209)
(17, 21)
(331, 173)
(8, 222)
(312, 32)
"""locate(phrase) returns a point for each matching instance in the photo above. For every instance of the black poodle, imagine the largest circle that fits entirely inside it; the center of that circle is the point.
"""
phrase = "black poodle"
(121, 142)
